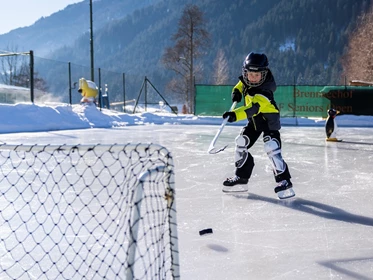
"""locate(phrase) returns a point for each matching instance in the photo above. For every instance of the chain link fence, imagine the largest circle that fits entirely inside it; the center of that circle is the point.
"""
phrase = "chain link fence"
(58, 82)
(55, 81)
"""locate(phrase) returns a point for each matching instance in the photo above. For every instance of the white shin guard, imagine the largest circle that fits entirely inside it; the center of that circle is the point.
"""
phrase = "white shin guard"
(240, 157)
(273, 150)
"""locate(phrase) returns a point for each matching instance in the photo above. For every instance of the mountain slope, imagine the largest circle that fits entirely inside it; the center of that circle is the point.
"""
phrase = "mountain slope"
(304, 39)
(65, 26)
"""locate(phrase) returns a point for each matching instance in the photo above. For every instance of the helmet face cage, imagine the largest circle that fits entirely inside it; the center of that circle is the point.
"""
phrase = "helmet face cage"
(252, 84)
(255, 62)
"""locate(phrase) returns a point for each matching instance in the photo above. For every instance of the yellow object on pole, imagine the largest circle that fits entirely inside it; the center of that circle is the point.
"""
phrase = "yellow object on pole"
(89, 91)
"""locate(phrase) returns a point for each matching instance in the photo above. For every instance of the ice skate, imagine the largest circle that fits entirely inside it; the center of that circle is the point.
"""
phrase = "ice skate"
(235, 184)
(284, 189)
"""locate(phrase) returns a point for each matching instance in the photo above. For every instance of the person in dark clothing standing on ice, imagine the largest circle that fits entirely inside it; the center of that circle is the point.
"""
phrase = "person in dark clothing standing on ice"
(256, 86)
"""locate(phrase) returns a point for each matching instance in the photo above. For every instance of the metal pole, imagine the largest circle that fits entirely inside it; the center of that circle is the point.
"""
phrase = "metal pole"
(146, 94)
(32, 76)
(191, 69)
(124, 92)
(99, 88)
(294, 96)
(91, 42)
(70, 99)
(191, 86)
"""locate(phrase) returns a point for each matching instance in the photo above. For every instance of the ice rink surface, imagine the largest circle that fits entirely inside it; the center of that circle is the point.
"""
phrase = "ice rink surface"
(324, 232)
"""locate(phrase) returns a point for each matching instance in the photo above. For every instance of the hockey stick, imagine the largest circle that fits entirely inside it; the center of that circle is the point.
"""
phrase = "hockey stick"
(212, 149)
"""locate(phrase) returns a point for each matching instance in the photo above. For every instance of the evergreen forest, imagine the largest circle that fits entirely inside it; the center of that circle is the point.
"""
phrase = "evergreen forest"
(304, 39)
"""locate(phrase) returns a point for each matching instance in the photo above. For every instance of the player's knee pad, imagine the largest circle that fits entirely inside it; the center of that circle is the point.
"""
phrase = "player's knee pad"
(241, 153)
(273, 150)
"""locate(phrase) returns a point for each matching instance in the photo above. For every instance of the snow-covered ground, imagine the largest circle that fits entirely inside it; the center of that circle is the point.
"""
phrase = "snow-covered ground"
(27, 117)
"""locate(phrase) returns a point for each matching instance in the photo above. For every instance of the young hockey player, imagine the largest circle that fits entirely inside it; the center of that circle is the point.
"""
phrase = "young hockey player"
(256, 86)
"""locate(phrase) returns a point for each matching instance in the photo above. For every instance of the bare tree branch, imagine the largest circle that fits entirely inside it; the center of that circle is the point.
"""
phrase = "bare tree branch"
(9, 67)
(220, 73)
(190, 40)
(357, 63)
(15, 70)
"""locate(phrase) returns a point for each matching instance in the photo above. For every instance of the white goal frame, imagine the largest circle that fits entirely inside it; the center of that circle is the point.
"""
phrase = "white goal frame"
(42, 179)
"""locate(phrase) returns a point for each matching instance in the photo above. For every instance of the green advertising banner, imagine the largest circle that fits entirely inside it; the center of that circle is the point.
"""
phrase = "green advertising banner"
(302, 101)
(293, 101)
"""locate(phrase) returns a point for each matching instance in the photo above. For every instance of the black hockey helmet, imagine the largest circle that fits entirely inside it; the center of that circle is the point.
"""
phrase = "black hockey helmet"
(255, 62)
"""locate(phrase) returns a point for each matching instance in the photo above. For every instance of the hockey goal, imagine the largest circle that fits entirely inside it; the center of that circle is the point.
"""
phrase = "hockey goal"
(87, 212)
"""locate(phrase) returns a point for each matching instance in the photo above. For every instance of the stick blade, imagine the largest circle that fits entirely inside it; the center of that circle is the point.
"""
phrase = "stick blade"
(213, 150)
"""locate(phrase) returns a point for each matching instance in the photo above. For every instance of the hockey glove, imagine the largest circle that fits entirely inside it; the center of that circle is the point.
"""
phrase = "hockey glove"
(230, 115)
(236, 96)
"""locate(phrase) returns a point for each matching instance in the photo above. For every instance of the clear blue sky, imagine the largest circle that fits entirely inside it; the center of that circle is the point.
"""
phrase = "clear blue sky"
(21, 13)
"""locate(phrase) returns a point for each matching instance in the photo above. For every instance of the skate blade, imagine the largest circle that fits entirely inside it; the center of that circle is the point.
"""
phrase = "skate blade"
(235, 189)
(286, 193)
(333, 140)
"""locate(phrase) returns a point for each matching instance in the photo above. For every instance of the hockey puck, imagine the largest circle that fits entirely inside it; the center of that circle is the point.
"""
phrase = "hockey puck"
(205, 231)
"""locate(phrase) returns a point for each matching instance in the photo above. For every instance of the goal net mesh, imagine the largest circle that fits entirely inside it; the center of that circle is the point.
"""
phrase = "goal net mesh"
(87, 212)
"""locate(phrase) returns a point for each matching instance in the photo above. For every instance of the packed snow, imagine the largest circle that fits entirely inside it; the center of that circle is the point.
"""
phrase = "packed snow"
(28, 117)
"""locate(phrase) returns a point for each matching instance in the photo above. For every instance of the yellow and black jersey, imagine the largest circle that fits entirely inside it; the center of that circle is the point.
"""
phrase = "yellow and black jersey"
(260, 106)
